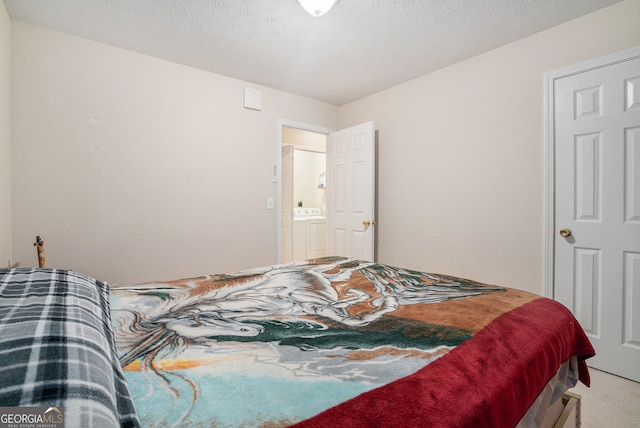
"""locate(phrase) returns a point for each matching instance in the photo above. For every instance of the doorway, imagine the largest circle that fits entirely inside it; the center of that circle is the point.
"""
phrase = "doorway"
(350, 190)
(302, 185)
(303, 189)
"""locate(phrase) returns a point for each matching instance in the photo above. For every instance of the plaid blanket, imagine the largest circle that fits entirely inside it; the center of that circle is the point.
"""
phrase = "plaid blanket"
(57, 348)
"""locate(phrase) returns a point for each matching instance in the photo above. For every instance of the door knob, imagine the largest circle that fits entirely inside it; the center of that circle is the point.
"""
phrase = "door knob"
(565, 232)
(366, 223)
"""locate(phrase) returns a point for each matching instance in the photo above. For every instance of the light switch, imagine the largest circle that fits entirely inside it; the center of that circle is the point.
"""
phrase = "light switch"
(270, 203)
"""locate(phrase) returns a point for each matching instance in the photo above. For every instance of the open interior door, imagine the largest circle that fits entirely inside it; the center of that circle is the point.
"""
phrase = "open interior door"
(351, 192)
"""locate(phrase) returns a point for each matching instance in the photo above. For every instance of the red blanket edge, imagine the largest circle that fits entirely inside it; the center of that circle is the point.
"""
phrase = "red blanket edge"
(490, 380)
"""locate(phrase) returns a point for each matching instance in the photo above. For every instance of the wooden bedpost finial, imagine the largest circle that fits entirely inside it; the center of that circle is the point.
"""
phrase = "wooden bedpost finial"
(39, 244)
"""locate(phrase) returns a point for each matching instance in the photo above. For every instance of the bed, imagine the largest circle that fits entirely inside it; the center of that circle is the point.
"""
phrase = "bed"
(323, 342)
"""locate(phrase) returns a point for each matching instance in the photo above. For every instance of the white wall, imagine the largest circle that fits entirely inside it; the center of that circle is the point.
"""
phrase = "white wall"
(300, 137)
(133, 168)
(5, 138)
(306, 173)
(461, 153)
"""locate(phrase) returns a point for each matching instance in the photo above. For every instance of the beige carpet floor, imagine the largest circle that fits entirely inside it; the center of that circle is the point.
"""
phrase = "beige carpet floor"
(611, 402)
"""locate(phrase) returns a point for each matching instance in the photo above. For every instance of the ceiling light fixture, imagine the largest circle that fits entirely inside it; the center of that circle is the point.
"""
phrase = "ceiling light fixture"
(317, 7)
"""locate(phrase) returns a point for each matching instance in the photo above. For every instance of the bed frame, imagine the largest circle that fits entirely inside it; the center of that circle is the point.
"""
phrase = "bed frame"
(565, 413)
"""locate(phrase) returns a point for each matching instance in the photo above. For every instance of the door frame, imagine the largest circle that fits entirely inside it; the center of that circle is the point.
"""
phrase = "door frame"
(549, 151)
(284, 123)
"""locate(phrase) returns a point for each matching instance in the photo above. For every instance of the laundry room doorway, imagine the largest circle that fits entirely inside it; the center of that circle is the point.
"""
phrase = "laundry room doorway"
(303, 190)
(350, 186)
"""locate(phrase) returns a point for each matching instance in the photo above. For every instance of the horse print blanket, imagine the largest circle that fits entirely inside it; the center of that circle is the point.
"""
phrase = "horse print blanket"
(292, 343)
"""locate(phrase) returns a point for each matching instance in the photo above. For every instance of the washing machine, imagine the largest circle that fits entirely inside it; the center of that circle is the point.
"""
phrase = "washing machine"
(309, 233)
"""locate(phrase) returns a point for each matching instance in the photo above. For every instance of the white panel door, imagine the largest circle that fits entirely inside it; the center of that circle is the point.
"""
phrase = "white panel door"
(351, 192)
(597, 201)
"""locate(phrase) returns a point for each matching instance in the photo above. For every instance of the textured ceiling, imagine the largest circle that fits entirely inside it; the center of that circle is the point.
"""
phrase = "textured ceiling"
(358, 48)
